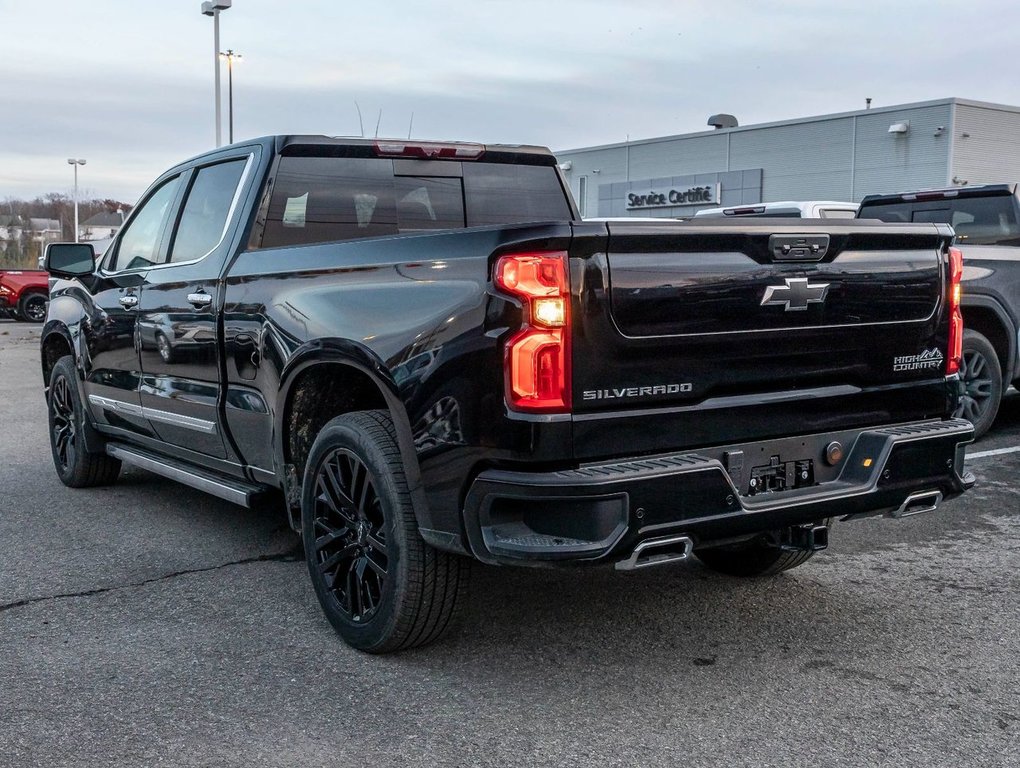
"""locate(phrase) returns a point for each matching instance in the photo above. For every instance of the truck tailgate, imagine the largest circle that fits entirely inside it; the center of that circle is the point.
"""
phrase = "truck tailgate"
(713, 332)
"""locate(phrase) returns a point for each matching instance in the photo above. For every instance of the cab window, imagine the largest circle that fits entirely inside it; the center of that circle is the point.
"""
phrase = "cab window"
(139, 243)
(204, 218)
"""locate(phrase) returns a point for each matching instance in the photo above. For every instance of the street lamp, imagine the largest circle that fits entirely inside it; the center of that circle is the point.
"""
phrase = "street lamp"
(75, 163)
(213, 9)
(230, 55)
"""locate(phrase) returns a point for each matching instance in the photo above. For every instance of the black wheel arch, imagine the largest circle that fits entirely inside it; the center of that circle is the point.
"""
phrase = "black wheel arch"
(57, 342)
(369, 386)
(988, 317)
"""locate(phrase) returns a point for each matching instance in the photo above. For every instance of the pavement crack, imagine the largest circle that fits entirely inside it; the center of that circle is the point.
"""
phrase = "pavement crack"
(291, 556)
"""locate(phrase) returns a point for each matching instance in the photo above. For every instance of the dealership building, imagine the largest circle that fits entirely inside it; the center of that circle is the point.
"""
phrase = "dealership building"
(845, 156)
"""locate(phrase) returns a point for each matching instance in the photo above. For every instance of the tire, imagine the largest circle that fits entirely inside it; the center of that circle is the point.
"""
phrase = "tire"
(981, 376)
(380, 585)
(166, 352)
(76, 466)
(32, 307)
(751, 558)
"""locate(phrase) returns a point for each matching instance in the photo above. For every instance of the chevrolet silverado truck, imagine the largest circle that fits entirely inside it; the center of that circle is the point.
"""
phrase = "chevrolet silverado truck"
(424, 355)
(987, 224)
(24, 294)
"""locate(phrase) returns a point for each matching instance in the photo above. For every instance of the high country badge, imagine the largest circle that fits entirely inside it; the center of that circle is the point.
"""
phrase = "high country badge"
(930, 359)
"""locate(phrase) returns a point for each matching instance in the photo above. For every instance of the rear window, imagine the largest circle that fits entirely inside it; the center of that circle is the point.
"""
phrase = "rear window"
(327, 199)
(499, 193)
(977, 220)
(837, 213)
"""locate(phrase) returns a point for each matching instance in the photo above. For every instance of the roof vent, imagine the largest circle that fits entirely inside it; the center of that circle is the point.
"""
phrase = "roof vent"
(722, 120)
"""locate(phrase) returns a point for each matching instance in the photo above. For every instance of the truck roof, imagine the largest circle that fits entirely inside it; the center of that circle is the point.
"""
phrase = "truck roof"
(354, 146)
(982, 190)
(796, 208)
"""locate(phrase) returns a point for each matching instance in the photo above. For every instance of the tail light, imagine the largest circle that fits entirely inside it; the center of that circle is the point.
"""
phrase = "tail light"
(537, 359)
(955, 315)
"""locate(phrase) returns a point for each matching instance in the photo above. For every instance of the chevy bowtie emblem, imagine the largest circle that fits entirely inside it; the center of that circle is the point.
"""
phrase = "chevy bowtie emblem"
(795, 295)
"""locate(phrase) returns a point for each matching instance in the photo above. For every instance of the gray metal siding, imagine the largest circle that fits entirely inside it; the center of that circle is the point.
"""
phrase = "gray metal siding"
(842, 157)
(699, 154)
(809, 161)
(988, 154)
(601, 166)
(889, 162)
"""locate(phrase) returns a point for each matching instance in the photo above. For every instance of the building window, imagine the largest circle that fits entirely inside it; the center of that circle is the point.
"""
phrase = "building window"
(582, 195)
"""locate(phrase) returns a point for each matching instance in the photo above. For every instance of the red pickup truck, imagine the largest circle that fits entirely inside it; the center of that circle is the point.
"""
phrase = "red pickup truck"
(24, 294)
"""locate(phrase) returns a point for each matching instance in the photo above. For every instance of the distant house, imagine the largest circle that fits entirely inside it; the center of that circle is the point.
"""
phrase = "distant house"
(45, 230)
(101, 226)
(10, 227)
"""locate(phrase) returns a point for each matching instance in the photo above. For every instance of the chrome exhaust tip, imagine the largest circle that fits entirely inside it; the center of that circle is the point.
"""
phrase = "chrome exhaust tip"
(667, 549)
(916, 503)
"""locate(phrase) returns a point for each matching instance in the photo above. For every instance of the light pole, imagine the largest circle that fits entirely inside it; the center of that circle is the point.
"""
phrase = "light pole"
(75, 163)
(213, 9)
(230, 55)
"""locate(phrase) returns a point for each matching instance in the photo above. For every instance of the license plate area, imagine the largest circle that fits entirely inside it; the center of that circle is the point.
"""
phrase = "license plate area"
(778, 476)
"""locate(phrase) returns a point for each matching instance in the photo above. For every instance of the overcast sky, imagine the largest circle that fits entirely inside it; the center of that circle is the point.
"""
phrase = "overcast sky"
(128, 84)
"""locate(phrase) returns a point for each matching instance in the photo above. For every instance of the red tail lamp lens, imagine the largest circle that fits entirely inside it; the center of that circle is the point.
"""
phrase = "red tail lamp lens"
(955, 314)
(537, 358)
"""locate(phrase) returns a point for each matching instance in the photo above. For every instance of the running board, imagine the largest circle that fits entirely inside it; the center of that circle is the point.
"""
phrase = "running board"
(234, 491)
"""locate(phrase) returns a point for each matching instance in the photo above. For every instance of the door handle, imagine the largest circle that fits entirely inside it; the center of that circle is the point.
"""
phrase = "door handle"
(128, 301)
(198, 300)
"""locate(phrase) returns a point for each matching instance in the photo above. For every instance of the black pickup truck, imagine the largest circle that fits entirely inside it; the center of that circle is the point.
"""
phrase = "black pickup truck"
(422, 352)
(986, 220)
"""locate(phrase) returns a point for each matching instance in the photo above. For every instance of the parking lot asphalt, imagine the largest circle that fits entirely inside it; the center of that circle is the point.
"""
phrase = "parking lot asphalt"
(149, 624)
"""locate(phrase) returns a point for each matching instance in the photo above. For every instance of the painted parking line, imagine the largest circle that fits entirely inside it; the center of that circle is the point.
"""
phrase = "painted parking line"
(996, 452)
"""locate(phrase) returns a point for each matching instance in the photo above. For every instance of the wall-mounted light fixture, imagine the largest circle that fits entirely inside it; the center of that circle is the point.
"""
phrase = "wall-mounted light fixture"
(940, 130)
(900, 128)
(566, 166)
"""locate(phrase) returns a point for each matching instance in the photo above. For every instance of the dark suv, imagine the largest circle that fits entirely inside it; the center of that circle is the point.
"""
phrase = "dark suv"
(987, 224)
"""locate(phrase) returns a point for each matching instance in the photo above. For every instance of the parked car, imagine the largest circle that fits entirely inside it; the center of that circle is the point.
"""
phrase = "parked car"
(425, 355)
(787, 209)
(24, 294)
(987, 224)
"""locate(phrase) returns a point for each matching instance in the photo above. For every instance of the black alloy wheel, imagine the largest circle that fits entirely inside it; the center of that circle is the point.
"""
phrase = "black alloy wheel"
(33, 306)
(76, 465)
(981, 383)
(63, 425)
(350, 535)
(380, 585)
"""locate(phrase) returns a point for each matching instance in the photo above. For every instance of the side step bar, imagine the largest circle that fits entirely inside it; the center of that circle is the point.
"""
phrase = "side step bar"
(235, 491)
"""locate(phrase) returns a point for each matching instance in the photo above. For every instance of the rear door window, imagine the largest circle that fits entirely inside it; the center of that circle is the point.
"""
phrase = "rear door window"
(203, 222)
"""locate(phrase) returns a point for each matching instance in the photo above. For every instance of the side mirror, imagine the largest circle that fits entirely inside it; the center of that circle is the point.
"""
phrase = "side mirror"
(70, 259)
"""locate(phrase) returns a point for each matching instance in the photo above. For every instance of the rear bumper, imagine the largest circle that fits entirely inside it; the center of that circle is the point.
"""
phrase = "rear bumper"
(603, 511)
